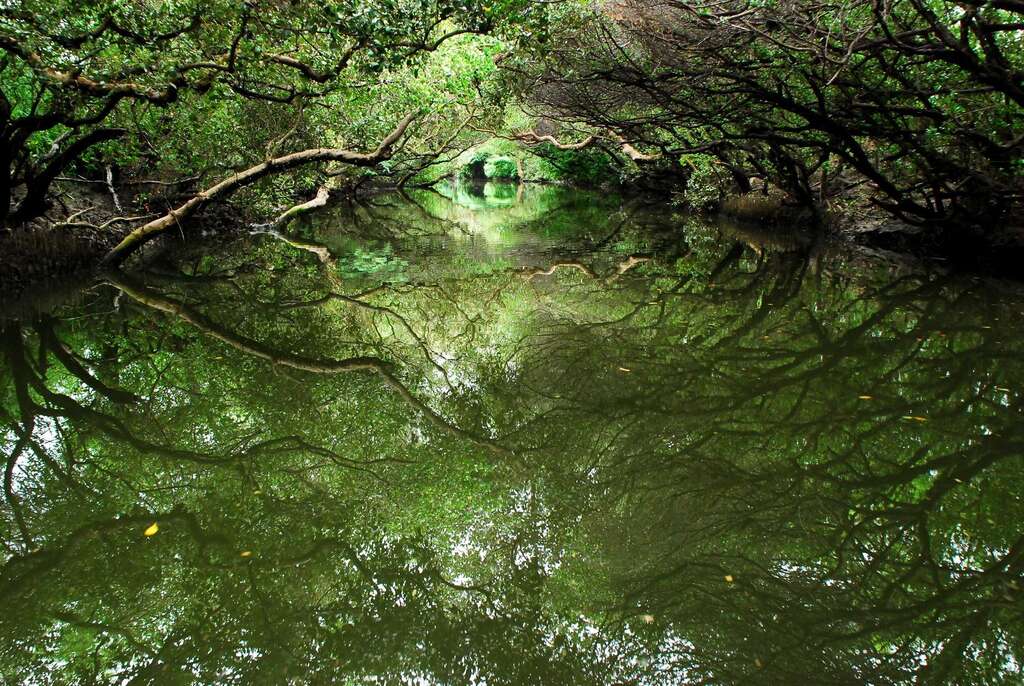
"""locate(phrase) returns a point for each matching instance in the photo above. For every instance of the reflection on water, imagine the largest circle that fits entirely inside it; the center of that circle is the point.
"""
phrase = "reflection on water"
(562, 440)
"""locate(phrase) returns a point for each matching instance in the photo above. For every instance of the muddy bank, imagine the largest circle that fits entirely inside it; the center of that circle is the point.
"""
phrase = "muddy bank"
(981, 250)
(43, 254)
(36, 256)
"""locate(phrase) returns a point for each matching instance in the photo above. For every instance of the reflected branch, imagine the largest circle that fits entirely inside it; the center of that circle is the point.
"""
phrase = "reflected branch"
(150, 298)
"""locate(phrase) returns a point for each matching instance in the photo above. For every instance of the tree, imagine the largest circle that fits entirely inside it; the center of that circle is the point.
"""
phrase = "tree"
(74, 77)
(917, 101)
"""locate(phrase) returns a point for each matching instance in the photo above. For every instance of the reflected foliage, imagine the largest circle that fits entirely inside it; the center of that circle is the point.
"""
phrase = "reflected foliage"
(588, 456)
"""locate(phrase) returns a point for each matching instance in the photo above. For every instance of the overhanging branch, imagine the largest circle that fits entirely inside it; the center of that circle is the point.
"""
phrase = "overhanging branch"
(145, 233)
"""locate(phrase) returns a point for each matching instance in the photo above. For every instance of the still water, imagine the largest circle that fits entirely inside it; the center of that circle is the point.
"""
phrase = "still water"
(515, 436)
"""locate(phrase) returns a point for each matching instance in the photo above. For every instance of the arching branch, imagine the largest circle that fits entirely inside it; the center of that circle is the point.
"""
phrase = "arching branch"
(531, 138)
(145, 233)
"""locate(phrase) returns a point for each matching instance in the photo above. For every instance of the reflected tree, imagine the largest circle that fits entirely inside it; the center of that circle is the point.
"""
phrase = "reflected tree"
(699, 461)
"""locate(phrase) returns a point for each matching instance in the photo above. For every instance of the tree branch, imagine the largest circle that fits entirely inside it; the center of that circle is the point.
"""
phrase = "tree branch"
(145, 233)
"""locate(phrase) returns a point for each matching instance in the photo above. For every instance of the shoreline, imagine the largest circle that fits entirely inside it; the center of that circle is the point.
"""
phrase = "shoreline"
(48, 259)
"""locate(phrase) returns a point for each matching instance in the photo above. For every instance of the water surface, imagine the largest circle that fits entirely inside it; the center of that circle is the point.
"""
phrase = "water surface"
(515, 436)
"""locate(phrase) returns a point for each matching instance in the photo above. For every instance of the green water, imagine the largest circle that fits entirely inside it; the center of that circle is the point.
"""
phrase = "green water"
(515, 437)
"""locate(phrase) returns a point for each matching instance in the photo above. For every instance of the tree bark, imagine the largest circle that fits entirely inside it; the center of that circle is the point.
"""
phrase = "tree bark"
(37, 186)
(323, 194)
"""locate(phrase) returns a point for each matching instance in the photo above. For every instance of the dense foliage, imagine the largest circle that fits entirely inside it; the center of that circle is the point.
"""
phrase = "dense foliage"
(916, 104)
(859, 110)
(188, 93)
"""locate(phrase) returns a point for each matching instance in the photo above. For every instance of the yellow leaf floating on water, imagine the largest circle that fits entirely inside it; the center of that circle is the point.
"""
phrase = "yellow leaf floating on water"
(625, 370)
(246, 553)
(864, 397)
(729, 578)
(151, 531)
(916, 419)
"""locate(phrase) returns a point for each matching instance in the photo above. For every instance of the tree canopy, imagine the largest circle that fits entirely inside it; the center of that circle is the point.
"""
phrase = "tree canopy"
(918, 101)
(902, 109)
(203, 89)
